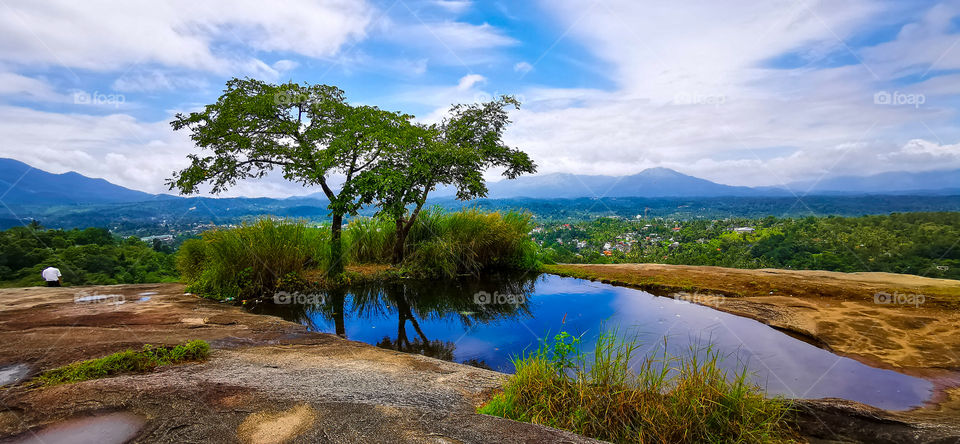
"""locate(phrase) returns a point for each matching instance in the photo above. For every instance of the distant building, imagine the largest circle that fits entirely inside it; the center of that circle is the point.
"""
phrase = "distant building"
(743, 230)
(161, 238)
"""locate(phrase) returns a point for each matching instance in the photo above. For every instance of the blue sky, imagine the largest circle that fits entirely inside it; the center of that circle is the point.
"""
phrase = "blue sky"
(739, 92)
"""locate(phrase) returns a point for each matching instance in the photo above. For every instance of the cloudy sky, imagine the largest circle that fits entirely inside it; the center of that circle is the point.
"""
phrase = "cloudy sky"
(739, 92)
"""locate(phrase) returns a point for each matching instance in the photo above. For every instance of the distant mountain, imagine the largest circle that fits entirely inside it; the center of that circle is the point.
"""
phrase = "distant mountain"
(653, 182)
(22, 184)
(926, 182)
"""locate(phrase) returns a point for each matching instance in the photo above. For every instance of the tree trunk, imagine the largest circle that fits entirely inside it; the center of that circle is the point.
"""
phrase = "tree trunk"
(336, 247)
(399, 243)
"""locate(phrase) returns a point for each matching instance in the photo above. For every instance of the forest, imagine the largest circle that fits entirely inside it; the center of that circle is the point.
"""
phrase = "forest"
(87, 256)
(923, 244)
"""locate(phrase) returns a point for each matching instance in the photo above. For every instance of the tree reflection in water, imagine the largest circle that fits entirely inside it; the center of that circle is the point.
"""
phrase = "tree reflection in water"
(410, 302)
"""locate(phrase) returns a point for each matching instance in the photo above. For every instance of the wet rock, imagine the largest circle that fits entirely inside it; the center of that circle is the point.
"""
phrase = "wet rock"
(111, 428)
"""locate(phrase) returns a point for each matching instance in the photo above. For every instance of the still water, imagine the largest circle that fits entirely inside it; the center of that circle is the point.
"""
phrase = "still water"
(485, 323)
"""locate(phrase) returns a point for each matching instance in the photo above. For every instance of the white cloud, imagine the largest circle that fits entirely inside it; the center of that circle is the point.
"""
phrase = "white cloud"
(454, 6)
(12, 84)
(156, 80)
(736, 121)
(445, 41)
(119, 148)
(523, 67)
(285, 65)
(105, 35)
(468, 81)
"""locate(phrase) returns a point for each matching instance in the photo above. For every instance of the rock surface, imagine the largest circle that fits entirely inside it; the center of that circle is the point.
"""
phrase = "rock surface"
(267, 380)
(272, 381)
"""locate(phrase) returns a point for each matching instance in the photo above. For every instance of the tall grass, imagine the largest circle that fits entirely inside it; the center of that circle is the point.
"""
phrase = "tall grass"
(254, 259)
(469, 241)
(249, 260)
(368, 240)
(667, 399)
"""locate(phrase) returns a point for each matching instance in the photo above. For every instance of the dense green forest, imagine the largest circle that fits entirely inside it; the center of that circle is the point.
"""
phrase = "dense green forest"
(88, 256)
(914, 243)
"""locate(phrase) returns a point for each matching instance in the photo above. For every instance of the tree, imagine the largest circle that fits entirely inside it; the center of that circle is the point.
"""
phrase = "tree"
(309, 132)
(455, 152)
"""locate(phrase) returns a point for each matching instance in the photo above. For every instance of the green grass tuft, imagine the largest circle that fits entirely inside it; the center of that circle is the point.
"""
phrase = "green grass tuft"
(128, 361)
(683, 399)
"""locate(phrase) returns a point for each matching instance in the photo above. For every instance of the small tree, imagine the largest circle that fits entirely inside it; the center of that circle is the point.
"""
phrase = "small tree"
(309, 132)
(455, 152)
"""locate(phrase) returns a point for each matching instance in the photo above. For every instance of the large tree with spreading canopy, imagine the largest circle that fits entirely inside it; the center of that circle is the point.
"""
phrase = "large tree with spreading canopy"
(455, 152)
(309, 132)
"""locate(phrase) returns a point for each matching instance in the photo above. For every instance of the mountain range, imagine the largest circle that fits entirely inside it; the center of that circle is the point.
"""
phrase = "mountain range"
(22, 184)
(652, 182)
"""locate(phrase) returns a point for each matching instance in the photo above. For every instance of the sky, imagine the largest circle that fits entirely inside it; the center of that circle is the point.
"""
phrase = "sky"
(738, 92)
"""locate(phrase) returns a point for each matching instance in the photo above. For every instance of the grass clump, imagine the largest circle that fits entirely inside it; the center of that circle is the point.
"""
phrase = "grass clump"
(255, 260)
(467, 242)
(250, 260)
(128, 361)
(682, 399)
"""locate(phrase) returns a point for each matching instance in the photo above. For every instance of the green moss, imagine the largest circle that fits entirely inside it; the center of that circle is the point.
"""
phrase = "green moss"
(128, 361)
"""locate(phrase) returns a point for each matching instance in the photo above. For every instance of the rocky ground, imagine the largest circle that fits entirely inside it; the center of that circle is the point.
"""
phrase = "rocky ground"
(271, 381)
(267, 380)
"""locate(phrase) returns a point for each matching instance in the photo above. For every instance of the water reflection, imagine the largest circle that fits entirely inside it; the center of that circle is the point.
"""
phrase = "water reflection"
(458, 303)
(485, 323)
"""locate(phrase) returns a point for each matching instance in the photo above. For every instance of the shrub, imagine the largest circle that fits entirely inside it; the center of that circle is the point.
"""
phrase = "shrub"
(684, 399)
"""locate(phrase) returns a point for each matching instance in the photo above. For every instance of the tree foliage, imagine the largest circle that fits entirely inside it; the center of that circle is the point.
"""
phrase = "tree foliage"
(915, 243)
(309, 132)
(455, 152)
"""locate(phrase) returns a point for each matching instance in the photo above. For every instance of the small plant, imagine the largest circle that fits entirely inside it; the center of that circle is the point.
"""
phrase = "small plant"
(666, 399)
(128, 361)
